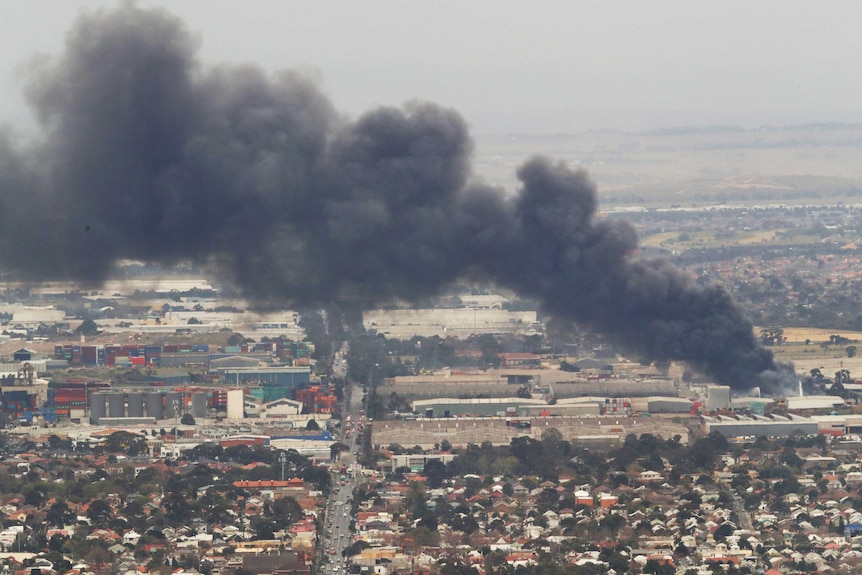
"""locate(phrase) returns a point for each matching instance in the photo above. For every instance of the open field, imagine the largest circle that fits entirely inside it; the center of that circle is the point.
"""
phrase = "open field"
(828, 359)
(816, 335)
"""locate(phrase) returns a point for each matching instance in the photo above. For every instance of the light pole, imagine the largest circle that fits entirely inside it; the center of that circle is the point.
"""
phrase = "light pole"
(282, 457)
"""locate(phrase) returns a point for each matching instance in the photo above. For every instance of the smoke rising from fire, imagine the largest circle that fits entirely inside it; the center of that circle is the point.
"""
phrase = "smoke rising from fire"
(146, 154)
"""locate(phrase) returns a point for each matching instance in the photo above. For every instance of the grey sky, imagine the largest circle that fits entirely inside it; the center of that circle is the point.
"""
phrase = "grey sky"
(531, 67)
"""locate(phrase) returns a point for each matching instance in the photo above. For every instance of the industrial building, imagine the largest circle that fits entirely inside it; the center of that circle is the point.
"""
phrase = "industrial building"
(443, 322)
(758, 425)
(717, 397)
(588, 406)
(503, 382)
(602, 431)
(814, 402)
(269, 383)
(838, 425)
(496, 406)
(661, 404)
(416, 463)
(280, 409)
(574, 407)
(616, 387)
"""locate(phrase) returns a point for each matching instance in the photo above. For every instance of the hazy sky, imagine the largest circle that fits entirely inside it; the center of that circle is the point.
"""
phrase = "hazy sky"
(529, 67)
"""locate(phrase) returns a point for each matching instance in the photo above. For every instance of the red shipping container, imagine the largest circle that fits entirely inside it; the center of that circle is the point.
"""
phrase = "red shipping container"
(138, 360)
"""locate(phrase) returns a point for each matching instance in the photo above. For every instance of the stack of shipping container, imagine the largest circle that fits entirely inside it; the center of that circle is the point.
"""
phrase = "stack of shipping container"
(614, 406)
(115, 355)
(68, 398)
(316, 399)
(18, 400)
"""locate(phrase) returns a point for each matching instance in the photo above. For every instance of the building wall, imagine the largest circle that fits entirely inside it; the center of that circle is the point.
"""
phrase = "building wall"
(235, 404)
(762, 428)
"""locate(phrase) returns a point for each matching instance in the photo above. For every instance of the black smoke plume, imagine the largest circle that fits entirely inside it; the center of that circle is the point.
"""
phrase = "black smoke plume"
(146, 154)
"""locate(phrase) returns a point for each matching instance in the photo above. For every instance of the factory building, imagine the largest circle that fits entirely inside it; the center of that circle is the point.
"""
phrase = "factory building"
(814, 402)
(416, 463)
(659, 404)
(501, 383)
(268, 383)
(757, 426)
(838, 425)
(484, 407)
(443, 322)
(576, 407)
(280, 409)
(589, 406)
(717, 397)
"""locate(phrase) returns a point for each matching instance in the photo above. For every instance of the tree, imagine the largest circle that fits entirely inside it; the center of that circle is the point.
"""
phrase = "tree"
(125, 442)
(723, 531)
(772, 336)
(312, 425)
(569, 367)
(434, 472)
(59, 514)
(817, 375)
(177, 509)
(87, 327)
(285, 511)
(235, 339)
(99, 512)
(851, 351)
(187, 419)
(337, 448)
(194, 321)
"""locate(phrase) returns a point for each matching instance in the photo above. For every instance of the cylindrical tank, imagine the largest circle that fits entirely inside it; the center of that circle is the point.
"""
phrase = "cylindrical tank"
(117, 404)
(199, 404)
(97, 407)
(154, 405)
(136, 404)
(173, 404)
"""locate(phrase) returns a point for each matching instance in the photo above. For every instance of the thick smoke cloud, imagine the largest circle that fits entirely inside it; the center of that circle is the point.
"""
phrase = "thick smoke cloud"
(149, 155)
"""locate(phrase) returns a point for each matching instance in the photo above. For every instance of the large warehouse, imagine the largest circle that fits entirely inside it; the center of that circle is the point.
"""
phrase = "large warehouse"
(759, 425)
